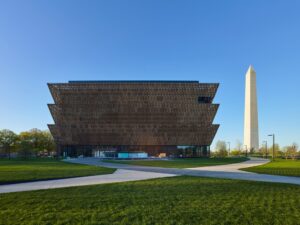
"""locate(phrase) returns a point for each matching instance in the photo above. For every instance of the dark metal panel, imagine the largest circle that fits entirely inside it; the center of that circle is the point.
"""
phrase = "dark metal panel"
(133, 113)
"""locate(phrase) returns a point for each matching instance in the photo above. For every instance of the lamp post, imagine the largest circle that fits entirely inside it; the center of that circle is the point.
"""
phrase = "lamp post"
(266, 146)
(228, 148)
(273, 154)
(246, 151)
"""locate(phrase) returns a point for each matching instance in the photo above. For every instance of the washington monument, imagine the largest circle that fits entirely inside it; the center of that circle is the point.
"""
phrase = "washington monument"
(251, 115)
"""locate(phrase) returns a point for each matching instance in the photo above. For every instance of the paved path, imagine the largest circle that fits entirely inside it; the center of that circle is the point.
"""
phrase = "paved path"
(132, 173)
(119, 176)
(234, 167)
(229, 171)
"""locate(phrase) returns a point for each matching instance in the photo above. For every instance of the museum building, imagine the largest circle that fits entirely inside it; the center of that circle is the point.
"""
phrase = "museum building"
(133, 119)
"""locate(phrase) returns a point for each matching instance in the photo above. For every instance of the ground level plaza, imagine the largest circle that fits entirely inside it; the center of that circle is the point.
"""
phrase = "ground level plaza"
(135, 151)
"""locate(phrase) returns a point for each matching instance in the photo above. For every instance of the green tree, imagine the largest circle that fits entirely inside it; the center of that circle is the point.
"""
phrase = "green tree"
(221, 149)
(239, 145)
(235, 152)
(35, 141)
(263, 151)
(277, 152)
(295, 152)
(291, 151)
(47, 142)
(25, 144)
(8, 140)
(285, 151)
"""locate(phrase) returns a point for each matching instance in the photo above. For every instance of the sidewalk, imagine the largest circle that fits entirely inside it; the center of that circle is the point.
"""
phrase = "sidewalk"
(126, 173)
(119, 176)
(229, 171)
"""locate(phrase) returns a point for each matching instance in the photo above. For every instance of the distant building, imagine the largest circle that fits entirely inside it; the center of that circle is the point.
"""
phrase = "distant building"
(251, 141)
(159, 118)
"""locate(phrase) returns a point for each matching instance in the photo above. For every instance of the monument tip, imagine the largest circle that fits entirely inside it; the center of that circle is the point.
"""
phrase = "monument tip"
(251, 68)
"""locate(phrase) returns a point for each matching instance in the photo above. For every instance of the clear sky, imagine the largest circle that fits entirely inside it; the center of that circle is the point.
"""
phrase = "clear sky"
(209, 41)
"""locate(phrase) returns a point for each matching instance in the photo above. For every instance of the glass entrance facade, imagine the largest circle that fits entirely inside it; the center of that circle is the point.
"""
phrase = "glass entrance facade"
(155, 151)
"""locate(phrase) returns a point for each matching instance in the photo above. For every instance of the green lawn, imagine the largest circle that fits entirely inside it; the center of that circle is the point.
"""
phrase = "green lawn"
(181, 163)
(16, 170)
(177, 200)
(278, 167)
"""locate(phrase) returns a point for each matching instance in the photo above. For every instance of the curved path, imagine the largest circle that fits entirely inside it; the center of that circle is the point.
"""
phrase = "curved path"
(118, 176)
(234, 167)
(133, 173)
(229, 171)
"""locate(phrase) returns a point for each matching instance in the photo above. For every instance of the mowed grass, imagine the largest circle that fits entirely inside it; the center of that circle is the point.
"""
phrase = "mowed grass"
(17, 170)
(176, 200)
(278, 167)
(181, 163)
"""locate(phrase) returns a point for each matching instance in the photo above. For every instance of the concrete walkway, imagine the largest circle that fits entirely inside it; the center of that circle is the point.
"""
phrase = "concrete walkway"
(230, 171)
(133, 173)
(119, 176)
(235, 167)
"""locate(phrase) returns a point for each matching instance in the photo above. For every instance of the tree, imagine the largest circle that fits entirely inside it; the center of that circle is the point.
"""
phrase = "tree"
(277, 151)
(34, 142)
(221, 149)
(47, 142)
(25, 144)
(235, 152)
(239, 145)
(7, 140)
(294, 150)
(263, 151)
(37, 139)
(285, 152)
(291, 151)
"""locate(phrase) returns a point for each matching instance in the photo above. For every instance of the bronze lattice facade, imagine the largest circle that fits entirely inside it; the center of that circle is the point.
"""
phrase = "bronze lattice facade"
(174, 118)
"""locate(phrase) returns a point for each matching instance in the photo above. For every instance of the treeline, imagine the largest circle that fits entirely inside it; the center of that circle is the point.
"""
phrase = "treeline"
(287, 152)
(30, 143)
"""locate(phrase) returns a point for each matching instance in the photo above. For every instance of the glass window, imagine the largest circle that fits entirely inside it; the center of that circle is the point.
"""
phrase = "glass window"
(204, 99)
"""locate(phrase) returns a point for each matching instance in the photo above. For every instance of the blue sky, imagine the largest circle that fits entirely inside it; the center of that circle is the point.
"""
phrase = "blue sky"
(209, 41)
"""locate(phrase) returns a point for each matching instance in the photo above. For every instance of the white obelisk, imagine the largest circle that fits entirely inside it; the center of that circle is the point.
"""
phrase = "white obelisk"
(251, 115)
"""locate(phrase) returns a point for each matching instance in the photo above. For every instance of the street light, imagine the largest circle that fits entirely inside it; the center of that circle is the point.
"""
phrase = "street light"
(266, 146)
(246, 151)
(228, 148)
(273, 155)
